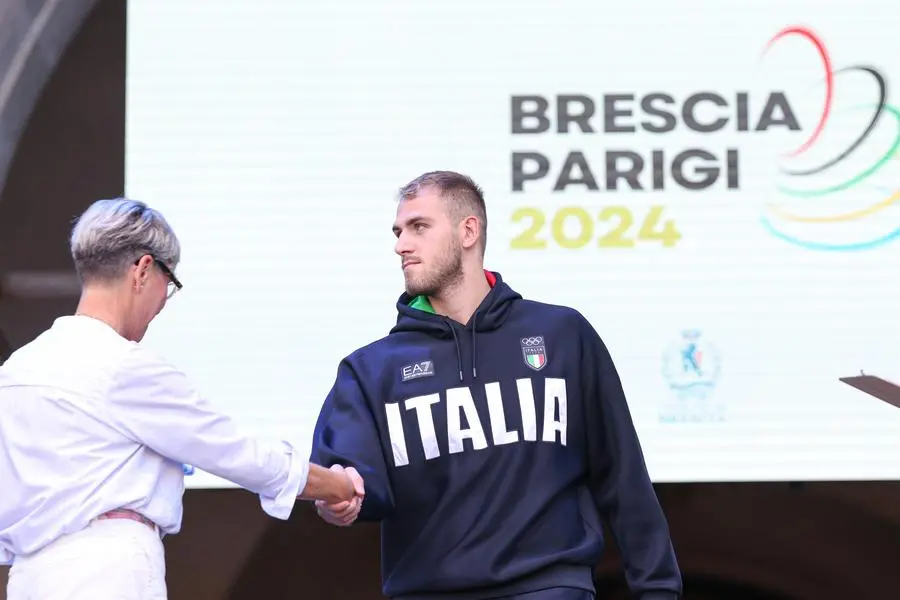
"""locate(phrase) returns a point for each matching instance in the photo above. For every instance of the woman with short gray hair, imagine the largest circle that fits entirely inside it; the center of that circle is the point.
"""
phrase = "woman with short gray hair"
(94, 429)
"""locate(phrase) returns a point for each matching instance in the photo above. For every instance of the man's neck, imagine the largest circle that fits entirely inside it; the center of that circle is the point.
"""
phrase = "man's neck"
(102, 304)
(460, 301)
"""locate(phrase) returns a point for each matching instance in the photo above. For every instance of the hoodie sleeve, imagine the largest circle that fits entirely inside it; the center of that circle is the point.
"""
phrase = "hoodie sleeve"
(619, 481)
(346, 434)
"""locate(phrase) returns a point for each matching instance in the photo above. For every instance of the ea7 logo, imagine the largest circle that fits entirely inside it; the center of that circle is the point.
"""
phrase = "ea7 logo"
(416, 370)
(534, 352)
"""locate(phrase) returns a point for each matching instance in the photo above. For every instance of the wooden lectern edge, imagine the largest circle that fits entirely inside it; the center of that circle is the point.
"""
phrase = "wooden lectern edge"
(877, 387)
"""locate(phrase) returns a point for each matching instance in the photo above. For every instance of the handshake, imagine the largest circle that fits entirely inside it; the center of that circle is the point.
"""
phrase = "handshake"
(344, 512)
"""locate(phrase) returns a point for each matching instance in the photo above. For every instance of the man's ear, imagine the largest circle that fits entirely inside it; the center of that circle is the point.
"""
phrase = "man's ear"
(471, 231)
(142, 272)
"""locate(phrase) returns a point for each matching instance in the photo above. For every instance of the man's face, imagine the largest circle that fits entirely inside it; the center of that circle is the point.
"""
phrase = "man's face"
(428, 244)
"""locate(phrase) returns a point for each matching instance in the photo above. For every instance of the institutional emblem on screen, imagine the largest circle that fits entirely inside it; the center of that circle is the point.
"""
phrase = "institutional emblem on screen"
(691, 366)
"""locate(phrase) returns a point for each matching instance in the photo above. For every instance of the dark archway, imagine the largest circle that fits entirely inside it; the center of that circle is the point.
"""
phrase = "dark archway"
(70, 153)
(35, 34)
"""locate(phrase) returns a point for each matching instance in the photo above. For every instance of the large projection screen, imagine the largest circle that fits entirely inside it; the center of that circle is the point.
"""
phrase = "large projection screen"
(716, 190)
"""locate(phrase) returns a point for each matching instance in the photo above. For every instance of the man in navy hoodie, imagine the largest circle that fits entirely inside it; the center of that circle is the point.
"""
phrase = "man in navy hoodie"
(492, 432)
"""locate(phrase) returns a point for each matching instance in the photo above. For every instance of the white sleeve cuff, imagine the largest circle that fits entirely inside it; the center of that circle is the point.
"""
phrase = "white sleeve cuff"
(282, 505)
(6, 557)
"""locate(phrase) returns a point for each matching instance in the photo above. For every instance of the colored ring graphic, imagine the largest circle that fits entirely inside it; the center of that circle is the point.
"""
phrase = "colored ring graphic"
(829, 80)
(856, 178)
(882, 98)
(893, 196)
(830, 247)
(851, 216)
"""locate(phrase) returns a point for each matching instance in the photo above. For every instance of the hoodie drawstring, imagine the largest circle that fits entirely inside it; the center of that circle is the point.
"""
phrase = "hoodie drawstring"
(474, 356)
(458, 351)
(474, 346)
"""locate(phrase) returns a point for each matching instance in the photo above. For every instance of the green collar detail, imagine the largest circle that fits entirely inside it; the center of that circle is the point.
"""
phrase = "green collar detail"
(422, 303)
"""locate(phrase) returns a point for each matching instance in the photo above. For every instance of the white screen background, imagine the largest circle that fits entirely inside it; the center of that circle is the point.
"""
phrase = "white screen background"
(274, 134)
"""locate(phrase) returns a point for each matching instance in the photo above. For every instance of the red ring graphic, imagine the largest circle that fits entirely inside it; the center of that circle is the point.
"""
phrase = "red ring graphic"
(829, 79)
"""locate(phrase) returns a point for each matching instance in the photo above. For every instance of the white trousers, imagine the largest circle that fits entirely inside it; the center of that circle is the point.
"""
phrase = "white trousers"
(111, 559)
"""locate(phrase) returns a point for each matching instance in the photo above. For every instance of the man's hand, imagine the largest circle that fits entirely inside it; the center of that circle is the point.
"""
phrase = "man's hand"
(334, 486)
(344, 513)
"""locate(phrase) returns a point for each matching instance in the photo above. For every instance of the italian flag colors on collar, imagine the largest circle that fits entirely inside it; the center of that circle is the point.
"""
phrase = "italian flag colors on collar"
(422, 303)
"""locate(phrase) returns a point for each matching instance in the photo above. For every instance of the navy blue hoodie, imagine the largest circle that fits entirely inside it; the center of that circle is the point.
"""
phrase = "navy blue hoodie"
(491, 451)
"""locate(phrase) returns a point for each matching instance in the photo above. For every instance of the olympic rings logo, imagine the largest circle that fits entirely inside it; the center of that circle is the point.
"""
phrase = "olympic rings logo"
(533, 341)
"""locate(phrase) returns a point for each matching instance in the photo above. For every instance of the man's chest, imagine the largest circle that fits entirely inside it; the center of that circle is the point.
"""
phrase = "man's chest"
(457, 398)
